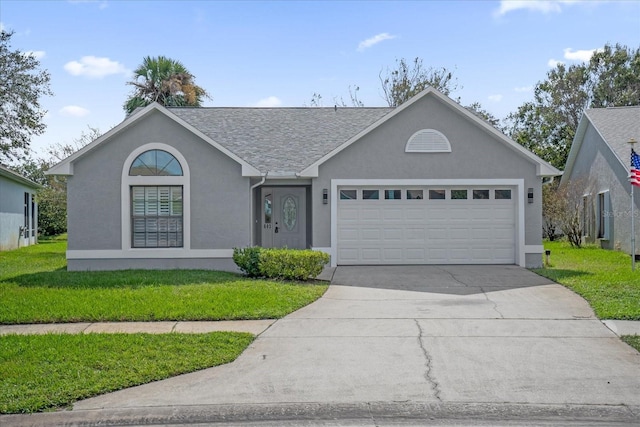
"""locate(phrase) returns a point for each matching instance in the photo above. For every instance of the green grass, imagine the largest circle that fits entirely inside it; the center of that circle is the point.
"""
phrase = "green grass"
(632, 340)
(36, 288)
(41, 372)
(604, 278)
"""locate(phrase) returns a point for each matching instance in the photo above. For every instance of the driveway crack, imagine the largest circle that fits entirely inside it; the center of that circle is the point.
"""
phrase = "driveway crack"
(428, 375)
(453, 276)
(495, 304)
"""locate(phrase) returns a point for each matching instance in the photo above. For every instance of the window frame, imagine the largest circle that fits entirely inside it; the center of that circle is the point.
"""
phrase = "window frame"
(158, 216)
(127, 182)
(603, 202)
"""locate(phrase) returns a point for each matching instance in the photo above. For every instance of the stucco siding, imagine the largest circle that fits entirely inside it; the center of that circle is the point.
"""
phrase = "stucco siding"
(598, 169)
(219, 194)
(475, 154)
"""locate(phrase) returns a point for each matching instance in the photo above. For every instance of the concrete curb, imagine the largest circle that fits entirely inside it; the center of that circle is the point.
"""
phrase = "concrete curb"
(373, 413)
(623, 327)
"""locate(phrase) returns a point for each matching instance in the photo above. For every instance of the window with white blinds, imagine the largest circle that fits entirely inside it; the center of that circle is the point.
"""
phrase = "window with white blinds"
(157, 216)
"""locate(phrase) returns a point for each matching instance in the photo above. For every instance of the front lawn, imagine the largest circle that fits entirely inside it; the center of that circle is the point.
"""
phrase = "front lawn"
(36, 288)
(604, 278)
(40, 372)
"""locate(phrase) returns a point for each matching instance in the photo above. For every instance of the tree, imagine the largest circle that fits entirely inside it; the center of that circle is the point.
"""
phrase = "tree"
(407, 80)
(22, 84)
(548, 124)
(477, 109)
(166, 81)
(52, 197)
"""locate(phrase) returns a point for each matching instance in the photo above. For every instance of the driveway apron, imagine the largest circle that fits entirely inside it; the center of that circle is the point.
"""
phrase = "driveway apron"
(435, 334)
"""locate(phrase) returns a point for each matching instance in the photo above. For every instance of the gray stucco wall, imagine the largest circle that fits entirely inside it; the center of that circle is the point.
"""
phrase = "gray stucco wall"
(219, 194)
(600, 170)
(475, 154)
(12, 214)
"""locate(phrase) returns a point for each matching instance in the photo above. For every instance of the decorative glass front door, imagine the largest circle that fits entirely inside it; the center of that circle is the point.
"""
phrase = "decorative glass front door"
(283, 220)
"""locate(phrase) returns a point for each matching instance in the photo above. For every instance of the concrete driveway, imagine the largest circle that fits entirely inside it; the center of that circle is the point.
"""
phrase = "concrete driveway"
(440, 336)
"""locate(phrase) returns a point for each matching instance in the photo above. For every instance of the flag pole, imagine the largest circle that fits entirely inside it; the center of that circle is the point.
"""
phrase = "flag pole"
(631, 142)
(633, 234)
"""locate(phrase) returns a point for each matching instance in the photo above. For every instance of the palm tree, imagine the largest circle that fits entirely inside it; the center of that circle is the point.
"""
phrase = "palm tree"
(166, 81)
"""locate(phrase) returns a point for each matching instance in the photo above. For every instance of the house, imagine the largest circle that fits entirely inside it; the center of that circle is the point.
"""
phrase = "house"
(18, 210)
(598, 164)
(425, 183)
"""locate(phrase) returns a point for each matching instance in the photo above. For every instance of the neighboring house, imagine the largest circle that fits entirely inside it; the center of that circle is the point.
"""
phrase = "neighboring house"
(425, 183)
(18, 210)
(598, 166)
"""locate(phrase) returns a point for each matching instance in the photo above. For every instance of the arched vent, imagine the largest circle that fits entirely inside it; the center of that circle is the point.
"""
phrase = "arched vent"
(428, 141)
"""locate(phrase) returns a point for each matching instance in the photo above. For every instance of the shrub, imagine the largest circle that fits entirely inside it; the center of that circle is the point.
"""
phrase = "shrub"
(289, 264)
(248, 260)
(292, 264)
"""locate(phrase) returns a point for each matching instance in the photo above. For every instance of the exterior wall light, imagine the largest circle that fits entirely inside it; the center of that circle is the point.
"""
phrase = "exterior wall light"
(530, 195)
(325, 196)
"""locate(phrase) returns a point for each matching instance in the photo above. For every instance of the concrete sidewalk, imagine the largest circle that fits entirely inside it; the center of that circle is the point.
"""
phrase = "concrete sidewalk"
(255, 327)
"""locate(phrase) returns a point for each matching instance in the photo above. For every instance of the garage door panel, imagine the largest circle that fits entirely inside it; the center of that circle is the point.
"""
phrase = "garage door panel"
(370, 214)
(371, 254)
(393, 255)
(370, 234)
(426, 231)
(393, 234)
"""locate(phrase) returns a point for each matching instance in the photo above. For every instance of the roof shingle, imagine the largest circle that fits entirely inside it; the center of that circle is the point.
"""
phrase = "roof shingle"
(617, 125)
(280, 140)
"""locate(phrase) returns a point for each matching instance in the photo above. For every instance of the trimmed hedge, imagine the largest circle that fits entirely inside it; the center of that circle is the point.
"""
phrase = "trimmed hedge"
(248, 259)
(288, 264)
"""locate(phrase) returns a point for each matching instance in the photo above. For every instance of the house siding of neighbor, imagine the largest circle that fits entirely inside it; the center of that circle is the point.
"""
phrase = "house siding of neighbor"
(18, 210)
(598, 166)
(425, 183)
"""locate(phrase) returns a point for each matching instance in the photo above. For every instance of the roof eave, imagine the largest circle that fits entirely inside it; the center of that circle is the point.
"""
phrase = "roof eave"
(8, 173)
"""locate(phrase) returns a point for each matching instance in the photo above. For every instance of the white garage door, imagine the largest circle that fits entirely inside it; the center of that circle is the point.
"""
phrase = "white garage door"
(429, 225)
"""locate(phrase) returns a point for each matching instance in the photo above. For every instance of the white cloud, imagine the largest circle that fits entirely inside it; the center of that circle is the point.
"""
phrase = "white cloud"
(74, 111)
(269, 102)
(495, 98)
(102, 4)
(94, 67)
(579, 55)
(1, 26)
(523, 89)
(365, 44)
(38, 54)
(553, 63)
(543, 6)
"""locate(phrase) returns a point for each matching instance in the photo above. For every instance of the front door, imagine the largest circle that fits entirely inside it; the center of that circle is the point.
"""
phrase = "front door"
(283, 217)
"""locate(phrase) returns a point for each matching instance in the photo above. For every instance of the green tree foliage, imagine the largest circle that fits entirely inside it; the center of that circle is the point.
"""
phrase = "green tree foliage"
(166, 81)
(22, 84)
(547, 124)
(52, 197)
(408, 79)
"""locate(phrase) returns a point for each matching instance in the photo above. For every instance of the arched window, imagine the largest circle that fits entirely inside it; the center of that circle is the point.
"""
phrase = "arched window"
(156, 183)
(155, 163)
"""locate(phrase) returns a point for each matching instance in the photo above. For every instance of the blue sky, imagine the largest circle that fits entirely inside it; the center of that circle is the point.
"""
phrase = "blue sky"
(280, 53)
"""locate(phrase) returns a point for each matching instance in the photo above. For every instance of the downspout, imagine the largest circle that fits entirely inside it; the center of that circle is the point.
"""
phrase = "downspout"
(251, 213)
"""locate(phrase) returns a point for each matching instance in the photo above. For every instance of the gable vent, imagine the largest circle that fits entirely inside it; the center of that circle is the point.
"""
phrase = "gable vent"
(428, 141)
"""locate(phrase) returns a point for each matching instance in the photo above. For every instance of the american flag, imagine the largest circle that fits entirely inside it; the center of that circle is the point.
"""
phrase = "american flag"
(634, 176)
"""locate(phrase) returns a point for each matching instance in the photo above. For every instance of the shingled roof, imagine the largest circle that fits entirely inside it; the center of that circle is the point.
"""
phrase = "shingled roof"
(280, 140)
(617, 125)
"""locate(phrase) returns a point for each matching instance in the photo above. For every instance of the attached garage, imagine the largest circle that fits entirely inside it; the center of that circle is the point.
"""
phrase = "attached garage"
(426, 224)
